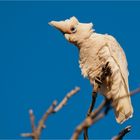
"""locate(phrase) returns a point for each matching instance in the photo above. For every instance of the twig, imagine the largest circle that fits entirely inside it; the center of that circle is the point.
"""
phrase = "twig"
(107, 104)
(135, 91)
(32, 119)
(36, 131)
(93, 118)
(122, 133)
(66, 98)
(96, 115)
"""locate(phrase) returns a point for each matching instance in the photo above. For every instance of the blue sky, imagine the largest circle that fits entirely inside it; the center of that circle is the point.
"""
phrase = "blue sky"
(37, 65)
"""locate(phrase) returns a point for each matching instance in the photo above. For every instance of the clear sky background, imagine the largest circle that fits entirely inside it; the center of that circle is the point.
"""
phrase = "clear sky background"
(37, 65)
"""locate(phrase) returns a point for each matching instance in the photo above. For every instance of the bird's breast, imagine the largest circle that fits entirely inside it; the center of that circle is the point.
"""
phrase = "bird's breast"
(90, 63)
(92, 59)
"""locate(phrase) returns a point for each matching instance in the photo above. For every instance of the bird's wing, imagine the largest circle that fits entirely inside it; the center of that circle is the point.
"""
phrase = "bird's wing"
(119, 90)
(119, 57)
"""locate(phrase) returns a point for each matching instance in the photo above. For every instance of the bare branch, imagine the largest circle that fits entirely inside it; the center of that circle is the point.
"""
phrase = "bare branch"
(122, 133)
(27, 135)
(96, 116)
(133, 92)
(32, 118)
(93, 118)
(41, 123)
(66, 98)
(36, 131)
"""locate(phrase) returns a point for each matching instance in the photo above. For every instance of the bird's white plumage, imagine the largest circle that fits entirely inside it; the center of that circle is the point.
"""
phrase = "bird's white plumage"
(100, 50)
(95, 50)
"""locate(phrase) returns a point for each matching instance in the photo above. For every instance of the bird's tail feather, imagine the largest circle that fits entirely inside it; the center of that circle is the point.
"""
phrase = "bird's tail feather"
(122, 105)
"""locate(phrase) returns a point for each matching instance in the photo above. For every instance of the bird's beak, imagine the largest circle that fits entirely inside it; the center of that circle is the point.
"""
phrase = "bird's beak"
(56, 24)
(60, 25)
(67, 36)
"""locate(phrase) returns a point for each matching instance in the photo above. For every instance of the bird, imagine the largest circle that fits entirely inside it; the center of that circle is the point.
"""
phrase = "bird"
(97, 52)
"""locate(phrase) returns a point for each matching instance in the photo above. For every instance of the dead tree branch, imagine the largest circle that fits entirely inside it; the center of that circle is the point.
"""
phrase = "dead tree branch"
(66, 98)
(36, 131)
(95, 116)
(32, 119)
(122, 133)
(135, 91)
(92, 117)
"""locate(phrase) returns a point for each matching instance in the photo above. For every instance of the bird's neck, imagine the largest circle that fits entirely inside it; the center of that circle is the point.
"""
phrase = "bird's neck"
(86, 42)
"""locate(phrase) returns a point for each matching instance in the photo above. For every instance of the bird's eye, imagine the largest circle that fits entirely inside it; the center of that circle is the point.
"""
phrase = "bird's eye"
(73, 29)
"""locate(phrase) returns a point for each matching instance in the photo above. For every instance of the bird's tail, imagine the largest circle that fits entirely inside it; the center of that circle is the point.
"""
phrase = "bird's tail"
(122, 105)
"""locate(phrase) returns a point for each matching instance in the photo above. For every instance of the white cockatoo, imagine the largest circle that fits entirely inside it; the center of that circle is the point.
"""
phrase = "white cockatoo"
(95, 51)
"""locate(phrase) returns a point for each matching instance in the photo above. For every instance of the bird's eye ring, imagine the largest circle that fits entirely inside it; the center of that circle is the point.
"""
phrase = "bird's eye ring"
(73, 29)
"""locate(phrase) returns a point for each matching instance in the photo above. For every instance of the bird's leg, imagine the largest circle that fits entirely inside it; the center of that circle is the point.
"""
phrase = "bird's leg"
(96, 84)
(106, 71)
(94, 96)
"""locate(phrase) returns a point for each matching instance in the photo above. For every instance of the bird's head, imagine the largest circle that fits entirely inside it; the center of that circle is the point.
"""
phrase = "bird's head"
(73, 30)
